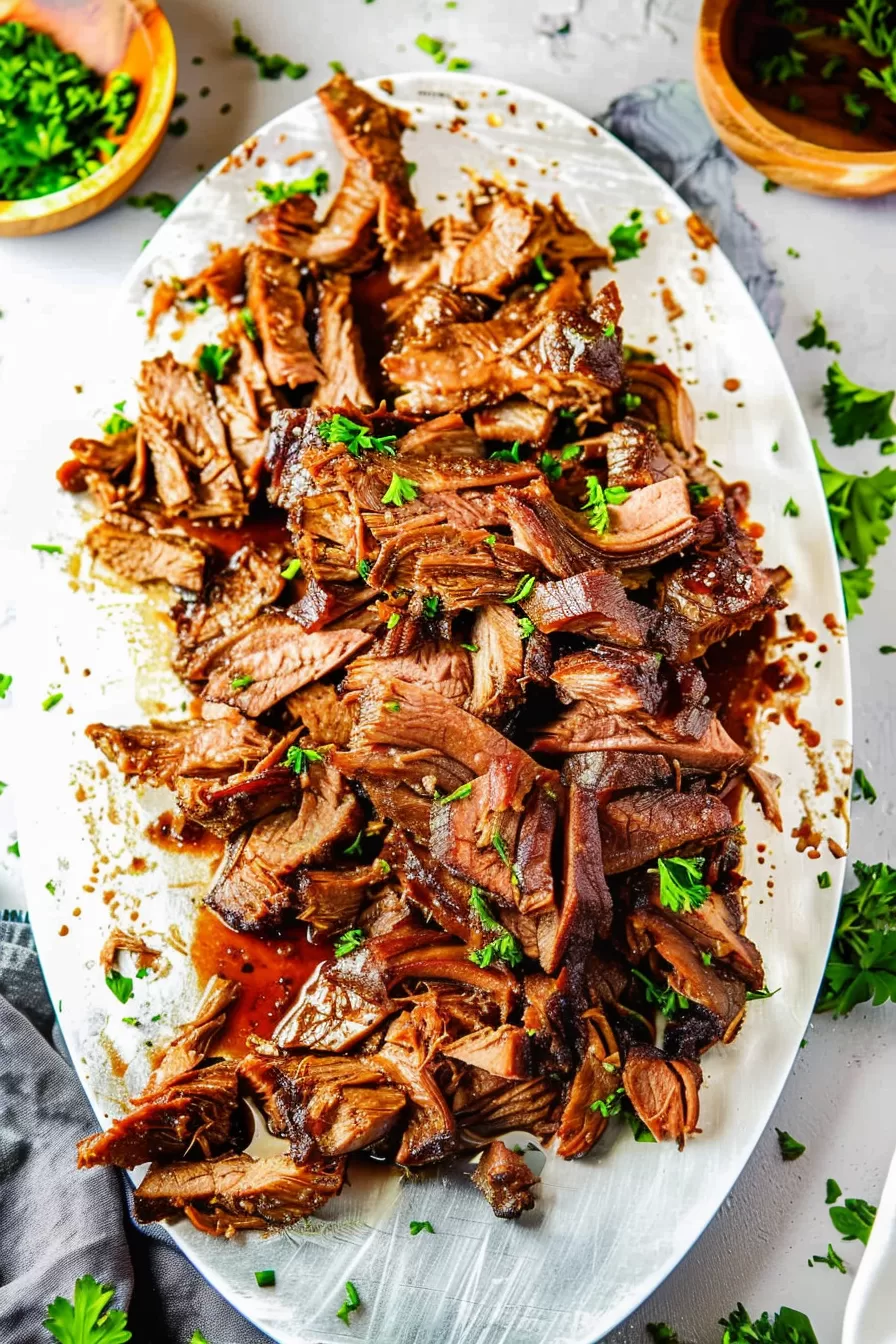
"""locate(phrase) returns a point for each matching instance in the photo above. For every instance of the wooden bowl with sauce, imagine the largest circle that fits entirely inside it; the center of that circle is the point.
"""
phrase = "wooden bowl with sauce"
(128, 35)
(810, 148)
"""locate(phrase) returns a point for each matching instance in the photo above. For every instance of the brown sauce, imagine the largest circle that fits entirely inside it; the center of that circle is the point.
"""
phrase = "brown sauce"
(270, 972)
(177, 834)
(264, 528)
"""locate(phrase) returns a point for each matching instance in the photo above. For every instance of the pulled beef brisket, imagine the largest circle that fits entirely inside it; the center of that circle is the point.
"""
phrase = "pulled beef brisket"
(433, 535)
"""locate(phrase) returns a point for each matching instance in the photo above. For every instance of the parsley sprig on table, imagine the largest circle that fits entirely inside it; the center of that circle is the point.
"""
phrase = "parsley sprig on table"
(853, 1219)
(817, 336)
(87, 1319)
(862, 961)
(860, 508)
(788, 1327)
(856, 412)
(269, 67)
(58, 118)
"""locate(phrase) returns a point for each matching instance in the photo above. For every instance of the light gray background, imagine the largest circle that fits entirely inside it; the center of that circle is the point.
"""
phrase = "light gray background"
(54, 292)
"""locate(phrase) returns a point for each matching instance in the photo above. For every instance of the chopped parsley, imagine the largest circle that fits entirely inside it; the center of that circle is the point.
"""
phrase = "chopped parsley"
(394, 619)
(248, 322)
(856, 107)
(511, 454)
(431, 607)
(522, 590)
(791, 509)
(61, 120)
(393, 705)
(275, 193)
(860, 508)
(661, 1333)
(854, 1219)
(240, 683)
(855, 412)
(631, 401)
(481, 908)
(782, 66)
(337, 67)
(550, 466)
(49, 886)
(667, 1000)
(863, 788)
(545, 275)
(364, 568)
(611, 1105)
(355, 847)
(348, 942)
(862, 962)
(788, 1327)
(471, 648)
(51, 700)
(817, 336)
(832, 1191)
(157, 201)
(269, 67)
(13, 849)
(122, 986)
(425, 1226)
(857, 584)
(458, 63)
(681, 887)
(46, 548)
(298, 758)
(265, 1278)
(500, 849)
(790, 1147)
(887, 648)
(640, 1132)
(213, 360)
(463, 791)
(352, 1302)
(832, 1258)
(628, 239)
(698, 492)
(88, 1319)
(596, 500)
(430, 46)
(824, 880)
(357, 438)
(832, 67)
(504, 948)
(117, 423)
(131, 1021)
(762, 993)
(526, 627)
(292, 569)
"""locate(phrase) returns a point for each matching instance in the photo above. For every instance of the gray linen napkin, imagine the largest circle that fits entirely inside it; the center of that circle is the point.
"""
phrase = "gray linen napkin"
(56, 1223)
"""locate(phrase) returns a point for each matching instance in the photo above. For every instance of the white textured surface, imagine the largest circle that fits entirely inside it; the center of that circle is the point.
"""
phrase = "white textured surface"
(54, 292)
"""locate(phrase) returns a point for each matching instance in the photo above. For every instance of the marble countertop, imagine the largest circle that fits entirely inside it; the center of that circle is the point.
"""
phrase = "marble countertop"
(54, 291)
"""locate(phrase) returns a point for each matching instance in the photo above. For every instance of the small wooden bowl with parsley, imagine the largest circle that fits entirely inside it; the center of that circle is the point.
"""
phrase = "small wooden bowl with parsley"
(83, 108)
(805, 93)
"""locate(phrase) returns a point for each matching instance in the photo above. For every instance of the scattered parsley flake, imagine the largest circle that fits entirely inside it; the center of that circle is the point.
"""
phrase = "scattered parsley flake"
(791, 509)
(269, 67)
(463, 791)
(609, 330)
(550, 466)
(458, 63)
(425, 1226)
(117, 423)
(667, 1000)
(631, 401)
(887, 648)
(788, 1327)
(292, 569)
(526, 627)
(854, 1219)
(348, 942)
(265, 1278)
(824, 880)
(431, 607)
(364, 568)
(522, 590)
(511, 454)
(762, 993)
(640, 1132)
(213, 360)
(712, 415)
(298, 758)
(854, 106)
(46, 548)
(275, 193)
(131, 1021)
(832, 67)
(504, 948)
(143, 973)
(628, 239)
(51, 700)
(698, 492)
(832, 1191)
(817, 336)
(769, 186)
(790, 1147)
(352, 1302)
(546, 275)
(855, 412)
(832, 1259)
(13, 849)
(863, 788)
(248, 322)
(355, 847)
(431, 46)
(471, 648)
(782, 66)
(158, 201)
(50, 887)
(394, 620)
(393, 705)
(240, 683)
(611, 1105)
(122, 986)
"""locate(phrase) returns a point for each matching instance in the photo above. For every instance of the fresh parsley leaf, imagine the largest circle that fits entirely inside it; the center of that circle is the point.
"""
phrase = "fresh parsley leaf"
(88, 1319)
(463, 791)
(292, 569)
(501, 849)
(832, 1191)
(824, 880)
(854, 1219)
(782, 66)
(357, 438)
(832, 1258)
(248, 322)
(240, 683)
(5, 683)
(458, 63)
(790, 1147)
(817, 336)
(631, 401)
(522, 590)
(511, 454)
(352, 1302)
(505, 948)
(640, 1132)
(863, 788)
(887, 648)
(546, 276)
(265, 1278)
(364, 568)
(550, 466)
(122, 986)
(117, 423)
(425, 1226)
(526, 627)
(46, 548)
(862, 961)
(661, 1333)
(297, 758)
(667, 1000)
(394, 620)
(681, 888)
(628, 239)
(348, 942)
(131, 1021)
(611, 1105)
(791, 509)
(788, 1327)
(432, 46)
(857, 584)
(860, 508)
(832, 67)
(51, 700)
(883, 80)
(431, 607)
(400, 491)
(481, 908)
(855, 412)
(269, 67)
(213, 360)
(275, 193)
(355, 847)
(766, 993)
(157, 201)
(13, 849)
(866, 22)
(858, 109)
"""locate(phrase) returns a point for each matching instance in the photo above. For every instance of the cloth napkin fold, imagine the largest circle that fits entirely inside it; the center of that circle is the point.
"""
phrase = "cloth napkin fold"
(56, 1223)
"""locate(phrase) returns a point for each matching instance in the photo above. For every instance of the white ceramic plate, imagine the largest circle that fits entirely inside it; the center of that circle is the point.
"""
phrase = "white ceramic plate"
(609, 1228)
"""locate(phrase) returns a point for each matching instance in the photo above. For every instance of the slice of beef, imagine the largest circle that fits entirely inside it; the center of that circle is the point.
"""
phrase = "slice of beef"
(593, 602)
(559, 540)
(486, 1106)
(503, 1178)
(515, 420)
(326, 719)
(346, 238)
(715, 989)
(583, 728)
(253, 891)
(369, 478)
(663, 1091)
(654, 522)
(642, 825)
(483, 575)
(342, 1002)
(413, 315)
(446, 436)
(429, 885)
(503, 249)
(597, 1079)
(221, 280)
(110, 456)
(290, 226)
(193, 1040)
(368, 134)
(233, 1192)
(665, 404)
(765, 788)
(497, 663)
(195, 1110)
(329, 898)
(143, 555)
(570, 244)
(276, 303)
(635, 456)
(587, 904)
(251, 580)
(223, 808)
(715, 928)
(339, 349)
(437, 664)
(503, 1051)
(277, 656)
(322, 603)
(157, 753)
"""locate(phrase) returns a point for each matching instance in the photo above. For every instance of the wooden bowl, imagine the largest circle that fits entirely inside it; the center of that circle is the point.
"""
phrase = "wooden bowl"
(129, 35)
(791, 148)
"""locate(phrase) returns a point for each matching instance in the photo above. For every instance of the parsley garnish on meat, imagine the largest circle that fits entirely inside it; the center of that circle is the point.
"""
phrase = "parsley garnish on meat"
(832, 1191)
(511, 454)
(364, 568)
(117, 422)
(522, 590)
(248, 322)
(854, 1219)
(832, 1258)
(546, 275)
(240, 683)
(817, 336)
(863, 788)
(681, 888)
(275, 193)
(860, 508)
(122, 986)
(481, 908)
(394, 619)
(463, 791)
(596, 500)
(505, 948)
(855, 412)
(269, 67)
(611, 1105)
(297, 758)
(348, 942)
(355, 847)
(213, 360)
(292, 569)
(550, 466)
(60, 120)
(526, 627)
(790, 1147)
(357, 438)
(628, 239)
(425, 1226)
(698, 492)
(88, 1319)
(157, 201)
(862, 961)
(858, 109)
(667, 1000)
(352, 1302)
(431, 607)
(788, 1327)
(640, 1132)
